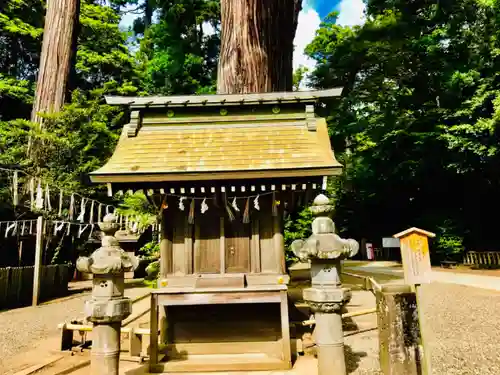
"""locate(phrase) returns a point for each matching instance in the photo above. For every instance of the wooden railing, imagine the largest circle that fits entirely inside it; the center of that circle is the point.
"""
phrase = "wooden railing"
(480, 258)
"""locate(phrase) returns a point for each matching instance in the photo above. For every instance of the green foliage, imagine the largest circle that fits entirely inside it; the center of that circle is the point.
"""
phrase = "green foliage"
(299, 76)
(178, 57)
(153, 270)
(75, 142)
(297, 227)
(21, 26)
(448, 245)
(151, 249)
(138, 207)
(103, 55)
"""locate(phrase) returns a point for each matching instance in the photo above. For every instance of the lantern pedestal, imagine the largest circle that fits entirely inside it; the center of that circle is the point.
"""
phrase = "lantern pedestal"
(326, 297)
(108, 307)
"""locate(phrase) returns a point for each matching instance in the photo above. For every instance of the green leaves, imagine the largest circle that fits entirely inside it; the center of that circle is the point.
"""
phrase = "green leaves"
(179, 57)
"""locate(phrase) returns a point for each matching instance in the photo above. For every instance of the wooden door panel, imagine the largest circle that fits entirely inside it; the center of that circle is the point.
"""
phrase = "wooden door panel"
(268, 258)
(179, 224)
(237, 245)
(207, 243)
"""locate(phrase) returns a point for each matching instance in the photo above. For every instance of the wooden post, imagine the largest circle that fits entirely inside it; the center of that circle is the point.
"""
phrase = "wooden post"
(279, 245)
(166, 267)
(222, 248)
(153, 337)
(417, 270)
(165, 249)
(38, 260)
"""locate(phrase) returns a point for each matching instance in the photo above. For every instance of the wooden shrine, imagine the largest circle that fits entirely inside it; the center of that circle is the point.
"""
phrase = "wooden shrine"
(223, 171)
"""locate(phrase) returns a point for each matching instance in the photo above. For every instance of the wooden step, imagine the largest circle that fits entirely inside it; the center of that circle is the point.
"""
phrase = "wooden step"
(219, 362)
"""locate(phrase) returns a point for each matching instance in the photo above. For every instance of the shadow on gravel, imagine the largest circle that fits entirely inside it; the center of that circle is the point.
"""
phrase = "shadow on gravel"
(352, 358)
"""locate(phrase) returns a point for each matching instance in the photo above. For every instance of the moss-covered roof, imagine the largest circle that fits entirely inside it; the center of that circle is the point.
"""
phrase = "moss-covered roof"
(200, 143)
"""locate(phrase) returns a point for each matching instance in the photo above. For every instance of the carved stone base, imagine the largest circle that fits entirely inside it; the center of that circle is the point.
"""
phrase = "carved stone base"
(327, 300)
(108, 311)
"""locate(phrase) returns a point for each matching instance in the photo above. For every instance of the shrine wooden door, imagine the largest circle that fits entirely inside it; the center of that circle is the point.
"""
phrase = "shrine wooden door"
(237, 237)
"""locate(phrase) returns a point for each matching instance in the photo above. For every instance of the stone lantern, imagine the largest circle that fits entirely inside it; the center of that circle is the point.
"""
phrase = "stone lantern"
(108, 307)
(326, 297)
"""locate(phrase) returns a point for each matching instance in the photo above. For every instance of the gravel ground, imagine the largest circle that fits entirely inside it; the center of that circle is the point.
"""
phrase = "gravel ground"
(462, 328)
(22, 329)
(361, 348)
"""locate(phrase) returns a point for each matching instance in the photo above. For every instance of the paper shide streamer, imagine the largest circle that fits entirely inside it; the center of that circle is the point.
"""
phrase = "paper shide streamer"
(235, 206)
(61, 197)
(204, 206)
(48, 205)
(228, 210)
(181, 203)
(81, 216)
(256, 203)
(32, 193)
(246, 213)
(39, 196)
(71, 206)
(191, 212)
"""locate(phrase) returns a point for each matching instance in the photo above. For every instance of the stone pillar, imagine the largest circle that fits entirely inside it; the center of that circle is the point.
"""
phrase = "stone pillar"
(108, 307)
(326, 297)
(401, 350)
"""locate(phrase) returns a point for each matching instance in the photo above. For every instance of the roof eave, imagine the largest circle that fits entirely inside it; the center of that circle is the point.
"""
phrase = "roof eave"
(222, 99)
(148, 177)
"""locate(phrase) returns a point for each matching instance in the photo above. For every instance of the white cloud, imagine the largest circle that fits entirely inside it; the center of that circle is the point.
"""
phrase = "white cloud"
(308, 23)
(351, 12)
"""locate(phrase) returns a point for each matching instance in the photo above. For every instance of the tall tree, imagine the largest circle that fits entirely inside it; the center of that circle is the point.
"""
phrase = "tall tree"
(56, 56)
(257, 45)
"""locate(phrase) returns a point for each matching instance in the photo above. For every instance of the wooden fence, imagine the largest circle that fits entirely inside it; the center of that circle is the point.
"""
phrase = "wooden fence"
(16, 284)
(479, 258)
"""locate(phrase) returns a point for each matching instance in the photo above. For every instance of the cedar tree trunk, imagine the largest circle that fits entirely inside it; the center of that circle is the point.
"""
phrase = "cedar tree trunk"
(56, 57)
(257, 45)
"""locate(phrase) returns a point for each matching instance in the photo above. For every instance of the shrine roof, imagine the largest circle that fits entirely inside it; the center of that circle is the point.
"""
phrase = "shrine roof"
(189, 144)
(223, 99)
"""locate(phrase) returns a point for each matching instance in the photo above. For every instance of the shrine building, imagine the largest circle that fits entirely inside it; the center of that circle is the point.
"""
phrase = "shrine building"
(223, 171)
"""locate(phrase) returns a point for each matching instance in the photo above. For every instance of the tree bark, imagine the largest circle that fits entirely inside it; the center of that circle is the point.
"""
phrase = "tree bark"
(257, 45)
(148, 14)
(56, 57)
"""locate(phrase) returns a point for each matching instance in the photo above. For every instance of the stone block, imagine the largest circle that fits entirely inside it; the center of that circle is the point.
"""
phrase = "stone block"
(107, 311)
(401, 351)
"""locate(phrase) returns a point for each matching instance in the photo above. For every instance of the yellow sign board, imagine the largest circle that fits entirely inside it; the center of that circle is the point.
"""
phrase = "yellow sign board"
(415, 255)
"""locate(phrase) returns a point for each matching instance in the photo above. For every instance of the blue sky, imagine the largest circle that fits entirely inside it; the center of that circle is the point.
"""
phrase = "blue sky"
(323, 7)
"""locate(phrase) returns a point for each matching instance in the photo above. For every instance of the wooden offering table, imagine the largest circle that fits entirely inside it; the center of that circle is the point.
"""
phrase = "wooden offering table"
(202, 336)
